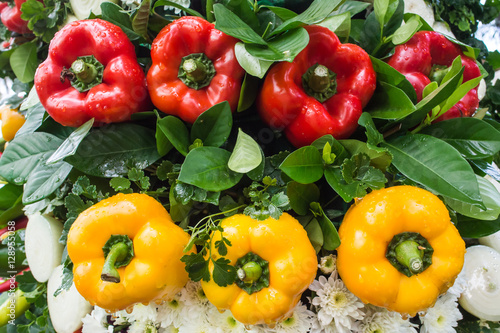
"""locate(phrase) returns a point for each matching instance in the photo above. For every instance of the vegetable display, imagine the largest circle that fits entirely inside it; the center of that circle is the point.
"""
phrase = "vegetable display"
(11, 17)
(401, 241)
(323, 91)
(249, 166)
(99, 78)
(131, 252)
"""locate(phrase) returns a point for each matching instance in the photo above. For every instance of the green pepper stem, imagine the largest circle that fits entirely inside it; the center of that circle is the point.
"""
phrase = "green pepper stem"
(118, 252)
(85, 72)
(438, 73)
(250, 272)
(319, 82)
(409, 254)
(195, 70)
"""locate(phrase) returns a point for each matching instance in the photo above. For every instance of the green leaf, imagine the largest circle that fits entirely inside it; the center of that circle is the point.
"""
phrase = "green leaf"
(315, 234)
(316, 12)
(70, 145)
(388, 74)
(406, 31)
(119, 184)
(331, 239)
(111, 151)
(115, 14)
(491, 200)
(213, 126)
(352, 7)
(340, 24)
(390, 102)
(44, 180)
(223, 273)
(246, 154)
(281, 48)
(178, 211)
(301, 196)
(252, 65)
(231, 24)
(459, 93)
(24, 62)
(176, 132)
(249, 90)
(141, 19)
(163, 145)
(473, 138)
(206, 167)
(34, 119)
(473, 228)
(196, 266)
(11, 205)
(436, 165)
(188, 10)
(379, 159)
(374, 137)
(24, 153)
(305, 165)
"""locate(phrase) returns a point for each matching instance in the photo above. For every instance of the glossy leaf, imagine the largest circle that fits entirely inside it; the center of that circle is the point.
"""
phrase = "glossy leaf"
(111, 151)
(490, 197)
(390, 102)
(176, 132)
(473, 138)
(301, 196)
(340, 24)
(473, 228)
(34, 120)
(252, 65)
(388, 74)
(246, 154)
(282, 48)
(213, 126)
(315, 234)
(44, 180)
(70, 145)
(406, 31)
(305, 165)
(24, 62)
(379, 159)
(436, 165)
(206, 167)
(24, 153)
(231, 24)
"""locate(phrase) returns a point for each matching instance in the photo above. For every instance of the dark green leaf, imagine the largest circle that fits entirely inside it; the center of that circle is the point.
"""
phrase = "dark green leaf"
(178, 211)
(115, 14)
(473, 228)
(331, 239)
(24, 153)
(473, 138)
(44, 180)
(163, 145)
(315, 234)
(379, 159)
(390, 102)
(436, 165)
(24, 62)
(231, 24)
(388, 74)
(119, 183)
(301, 196)
(111, 151)
(176, 132)
(223, 273)
(374, 137)
(196, 266)
(282, 48)
(304, 165)
(206, 167)
(353, 7)
(213, 126)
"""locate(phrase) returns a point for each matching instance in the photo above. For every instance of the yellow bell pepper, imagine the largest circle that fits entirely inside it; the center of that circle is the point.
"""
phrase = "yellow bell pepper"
(275, 263)
(399, 249)
(11, 122)
(126, 250)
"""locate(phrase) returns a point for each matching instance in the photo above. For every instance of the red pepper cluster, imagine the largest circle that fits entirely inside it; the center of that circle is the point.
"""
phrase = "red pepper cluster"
(11, 17)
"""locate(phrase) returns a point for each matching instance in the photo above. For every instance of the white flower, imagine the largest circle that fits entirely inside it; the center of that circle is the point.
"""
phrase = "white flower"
(170, 312)
(459, 286)
(328, 264)
(258, 329)
(131, 4)
(300, 321)
(442, 317)
(335, 303)
(197, 326)
(142, 327)
(141, 312)
(384, 321)
(183, 3)
(224, 321)
(169, 329)
(96, 322)
(196, 304)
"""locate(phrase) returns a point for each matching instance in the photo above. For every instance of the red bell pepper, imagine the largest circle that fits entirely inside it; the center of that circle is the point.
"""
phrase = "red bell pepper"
(323, 91)
(91, 72)
(11, 18)
(425, 58)
(193, 68)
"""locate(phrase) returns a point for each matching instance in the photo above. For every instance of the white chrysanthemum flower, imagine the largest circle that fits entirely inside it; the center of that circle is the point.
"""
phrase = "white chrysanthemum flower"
(169, 329)
(442, 317)
(381, 320)
(142, 327)
(96, 322)
(328, 264)
(196, 303)
(335, 303)
(140, 312)
(258, 329)
(183, 3)
(300, 321)
(224, 321)
(170, 312)
(197, 326)
(317, 327)
(131, 4)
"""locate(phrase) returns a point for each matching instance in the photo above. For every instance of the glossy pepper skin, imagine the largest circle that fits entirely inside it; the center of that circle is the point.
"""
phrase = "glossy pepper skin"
(190, 35)
(12, 121)
(11, 18)
(114, 98)
(417, 59)
(366, 232)
(292, 265)
(284, 104)
(155, 271)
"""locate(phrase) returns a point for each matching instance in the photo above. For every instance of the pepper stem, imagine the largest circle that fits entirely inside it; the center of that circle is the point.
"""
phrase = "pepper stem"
(85, 72)
(319, 82)
(196, 70)
(118, 251)
(409, 253)
(438, 73)
(252, 272)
